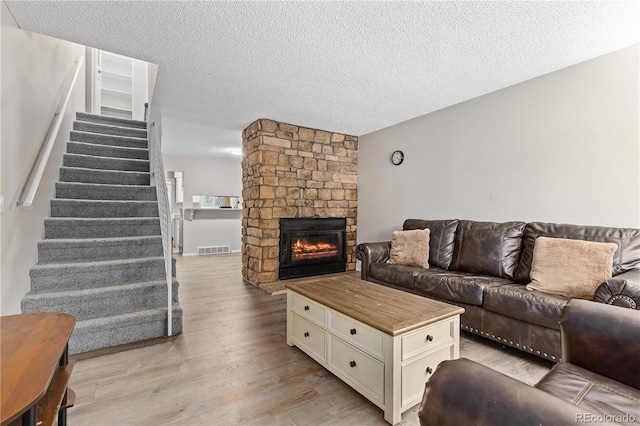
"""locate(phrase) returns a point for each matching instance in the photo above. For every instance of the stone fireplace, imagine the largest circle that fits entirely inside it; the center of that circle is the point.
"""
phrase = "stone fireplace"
(293, 172)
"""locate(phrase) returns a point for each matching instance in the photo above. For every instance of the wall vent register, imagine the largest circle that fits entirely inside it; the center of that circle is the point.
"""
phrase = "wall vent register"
(214, 250)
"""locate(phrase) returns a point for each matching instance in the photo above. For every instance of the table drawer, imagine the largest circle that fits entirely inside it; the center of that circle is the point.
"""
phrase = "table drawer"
(427, 338)
(309, 309)
(356, 333)
(309, 337)
(359, 367)
(416, 374)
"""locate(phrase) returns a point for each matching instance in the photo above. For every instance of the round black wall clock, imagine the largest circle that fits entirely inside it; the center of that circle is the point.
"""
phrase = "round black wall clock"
(397, 157)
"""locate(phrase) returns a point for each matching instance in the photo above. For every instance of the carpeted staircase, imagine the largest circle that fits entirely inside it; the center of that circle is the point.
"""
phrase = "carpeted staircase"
(102, 257)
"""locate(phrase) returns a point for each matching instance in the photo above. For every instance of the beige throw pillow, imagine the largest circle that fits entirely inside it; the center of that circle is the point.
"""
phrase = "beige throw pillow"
(410, 248)
(570, 268)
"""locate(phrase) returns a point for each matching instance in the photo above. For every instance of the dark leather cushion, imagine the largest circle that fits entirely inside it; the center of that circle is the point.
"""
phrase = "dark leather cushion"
(591, 391)
(515, 301)
(462, 287)
(463, 392)
(626, 257)
(399, 275)
(441, 239)
(603, 339)
(488, 248)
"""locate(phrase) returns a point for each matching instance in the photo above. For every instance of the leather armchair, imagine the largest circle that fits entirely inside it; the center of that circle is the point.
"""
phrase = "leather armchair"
(598, 381)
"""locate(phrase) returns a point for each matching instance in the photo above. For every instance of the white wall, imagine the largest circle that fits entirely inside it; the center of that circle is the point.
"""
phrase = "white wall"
(209, 176)
(36, 70)
(564, 147)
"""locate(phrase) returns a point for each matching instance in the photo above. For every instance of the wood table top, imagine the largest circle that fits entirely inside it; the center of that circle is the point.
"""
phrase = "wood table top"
(30, 346)
(383, 308)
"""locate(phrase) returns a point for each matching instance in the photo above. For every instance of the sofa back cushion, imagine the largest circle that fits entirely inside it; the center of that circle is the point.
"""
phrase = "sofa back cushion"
(626, 257)
(488, 248)
(441, 239)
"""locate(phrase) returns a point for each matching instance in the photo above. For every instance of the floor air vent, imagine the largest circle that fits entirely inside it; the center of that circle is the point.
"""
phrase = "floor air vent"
(214, 250)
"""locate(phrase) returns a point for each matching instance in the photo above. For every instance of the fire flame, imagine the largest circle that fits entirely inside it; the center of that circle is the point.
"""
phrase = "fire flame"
(304, 249)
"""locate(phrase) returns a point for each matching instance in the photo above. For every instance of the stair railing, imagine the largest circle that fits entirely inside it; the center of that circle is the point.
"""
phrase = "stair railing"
(37, 170)
(158, 179)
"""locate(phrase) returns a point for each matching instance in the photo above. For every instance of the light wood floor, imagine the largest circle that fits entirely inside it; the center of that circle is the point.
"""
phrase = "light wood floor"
(231, 365)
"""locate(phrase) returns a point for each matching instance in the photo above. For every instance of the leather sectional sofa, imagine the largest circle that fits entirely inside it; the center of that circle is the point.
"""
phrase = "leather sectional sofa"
(484, 267)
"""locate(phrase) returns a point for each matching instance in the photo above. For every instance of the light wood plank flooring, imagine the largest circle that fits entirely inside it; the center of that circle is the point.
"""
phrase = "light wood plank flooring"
(231, 365)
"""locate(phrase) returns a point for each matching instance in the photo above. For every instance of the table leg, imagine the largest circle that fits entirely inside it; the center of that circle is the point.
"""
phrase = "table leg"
(29, 416)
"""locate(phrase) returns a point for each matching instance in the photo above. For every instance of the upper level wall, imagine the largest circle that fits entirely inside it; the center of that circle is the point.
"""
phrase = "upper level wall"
(564, 147)
(36, 71)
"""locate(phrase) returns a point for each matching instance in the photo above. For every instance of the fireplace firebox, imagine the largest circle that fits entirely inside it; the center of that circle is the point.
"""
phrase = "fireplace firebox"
(312, 246)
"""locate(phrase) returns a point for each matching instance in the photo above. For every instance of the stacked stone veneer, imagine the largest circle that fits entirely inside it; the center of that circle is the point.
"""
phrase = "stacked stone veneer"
(290, 171)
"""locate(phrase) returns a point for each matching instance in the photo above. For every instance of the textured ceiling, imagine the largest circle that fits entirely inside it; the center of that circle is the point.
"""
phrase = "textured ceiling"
(350, 67)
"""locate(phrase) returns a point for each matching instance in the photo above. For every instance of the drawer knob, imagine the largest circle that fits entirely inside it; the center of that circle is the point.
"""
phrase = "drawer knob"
(352, 364)
(353, 331)
(429, 370)
(429, 338)
(306, 334)
(306, 307)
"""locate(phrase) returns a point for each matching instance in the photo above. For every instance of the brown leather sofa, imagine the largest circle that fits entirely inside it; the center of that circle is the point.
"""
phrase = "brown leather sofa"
(484, 267)
(597, 382)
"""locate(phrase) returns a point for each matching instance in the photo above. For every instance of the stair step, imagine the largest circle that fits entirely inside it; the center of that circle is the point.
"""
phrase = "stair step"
(91, 191)
(105, 163)
(100, 227)
(110, 140)
(84, 275)
(105, 129)
(102, 301)
(107, 150)
(95, 249)
(89, 335)
(113, 121)
(103, 208)
(102, 257)
(114, 177)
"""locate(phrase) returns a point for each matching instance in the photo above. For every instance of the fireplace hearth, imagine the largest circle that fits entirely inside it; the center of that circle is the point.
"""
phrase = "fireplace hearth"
(312, 246)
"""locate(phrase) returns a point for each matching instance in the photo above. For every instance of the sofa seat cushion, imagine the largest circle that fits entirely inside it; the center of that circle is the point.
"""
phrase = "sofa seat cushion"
(515, 301)
(591, 391)
(399, 275)
(462, 287)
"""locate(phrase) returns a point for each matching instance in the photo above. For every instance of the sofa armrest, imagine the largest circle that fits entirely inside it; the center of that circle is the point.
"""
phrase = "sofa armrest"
(369, 253)
(621, 290)
(603, 339)
(463, 392)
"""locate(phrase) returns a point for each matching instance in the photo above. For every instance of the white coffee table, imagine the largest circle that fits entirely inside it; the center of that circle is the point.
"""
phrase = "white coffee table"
(384, 343)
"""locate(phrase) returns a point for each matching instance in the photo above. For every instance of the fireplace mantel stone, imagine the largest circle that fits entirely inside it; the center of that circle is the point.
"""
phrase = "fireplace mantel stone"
(290, 171)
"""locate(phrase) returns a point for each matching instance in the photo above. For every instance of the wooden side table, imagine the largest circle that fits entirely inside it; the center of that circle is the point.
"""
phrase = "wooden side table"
(35, 368)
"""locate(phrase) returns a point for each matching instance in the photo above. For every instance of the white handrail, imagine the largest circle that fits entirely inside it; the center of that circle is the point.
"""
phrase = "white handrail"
(33, 181)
